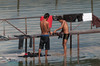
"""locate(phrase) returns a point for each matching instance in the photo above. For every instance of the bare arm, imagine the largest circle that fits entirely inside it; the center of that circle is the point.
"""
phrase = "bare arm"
(40, 26)
(59, 27)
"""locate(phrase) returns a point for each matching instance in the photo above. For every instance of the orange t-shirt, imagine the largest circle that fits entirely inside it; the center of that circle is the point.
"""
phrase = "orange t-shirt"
(49, 20)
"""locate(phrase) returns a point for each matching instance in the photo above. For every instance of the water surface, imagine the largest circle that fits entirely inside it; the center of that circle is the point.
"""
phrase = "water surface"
(89, 43)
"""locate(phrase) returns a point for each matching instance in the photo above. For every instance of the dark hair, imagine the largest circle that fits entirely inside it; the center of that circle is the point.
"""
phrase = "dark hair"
(59, 18)
(46, 15)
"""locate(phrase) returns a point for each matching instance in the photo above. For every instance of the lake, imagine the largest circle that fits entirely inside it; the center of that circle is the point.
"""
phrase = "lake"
(89, 54)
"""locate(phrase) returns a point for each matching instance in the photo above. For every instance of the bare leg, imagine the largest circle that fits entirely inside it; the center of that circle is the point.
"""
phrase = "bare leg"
(64, 46)
(39, 52)
(46, 52)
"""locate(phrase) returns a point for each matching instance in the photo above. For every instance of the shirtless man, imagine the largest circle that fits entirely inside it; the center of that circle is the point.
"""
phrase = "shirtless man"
(44, 40)
(65, 30)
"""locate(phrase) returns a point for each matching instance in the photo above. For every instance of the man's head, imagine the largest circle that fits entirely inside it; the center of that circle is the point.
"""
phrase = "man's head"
(60, 19)
(46, 16)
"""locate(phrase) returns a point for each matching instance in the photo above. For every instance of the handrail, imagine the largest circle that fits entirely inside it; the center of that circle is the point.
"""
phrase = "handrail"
(71, 32)
(75, 32)
(21, 18)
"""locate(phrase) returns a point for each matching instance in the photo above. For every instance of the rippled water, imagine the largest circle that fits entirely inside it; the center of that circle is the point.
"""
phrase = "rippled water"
(89, 43)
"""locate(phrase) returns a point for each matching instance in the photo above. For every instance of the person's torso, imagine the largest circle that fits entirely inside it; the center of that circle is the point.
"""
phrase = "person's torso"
(65, 27)
(44, 27)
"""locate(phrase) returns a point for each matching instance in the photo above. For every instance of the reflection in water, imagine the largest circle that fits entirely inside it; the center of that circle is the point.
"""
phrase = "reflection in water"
(85, 62)
(25, 61)
(31, 63)
(39, 61)
(70, 55)
(65, 61)
(78, 48)
(46, 62)
(20, 63)
(70, 60)
(70, 52)
(78, 55)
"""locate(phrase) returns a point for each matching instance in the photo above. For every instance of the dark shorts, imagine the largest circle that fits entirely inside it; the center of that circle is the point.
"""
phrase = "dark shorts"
(66, 36)
(44, 40)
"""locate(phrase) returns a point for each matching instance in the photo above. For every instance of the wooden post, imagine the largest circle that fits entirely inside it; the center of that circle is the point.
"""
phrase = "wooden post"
(56, 4)
(26, 34)
(70, 39)
(91, 10)
(33, 44)
(92, 6)
(18, 1)
(3, 28)
(78, 48)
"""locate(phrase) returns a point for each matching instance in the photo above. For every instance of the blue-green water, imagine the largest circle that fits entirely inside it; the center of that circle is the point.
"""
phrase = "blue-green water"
(89, 43)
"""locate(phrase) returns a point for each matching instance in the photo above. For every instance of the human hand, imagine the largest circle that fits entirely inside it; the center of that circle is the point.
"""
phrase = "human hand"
(54, 31)
(51, 33)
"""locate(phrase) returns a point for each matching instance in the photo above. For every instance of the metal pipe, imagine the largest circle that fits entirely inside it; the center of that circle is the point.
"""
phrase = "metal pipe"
(26, 26)
(15, 27)
(70, 39)
(26, 34)
(78, 48)
(71, 32)
(84, 31)
(21, 18)
(26, 45)
(3, 28)
(77, 26)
